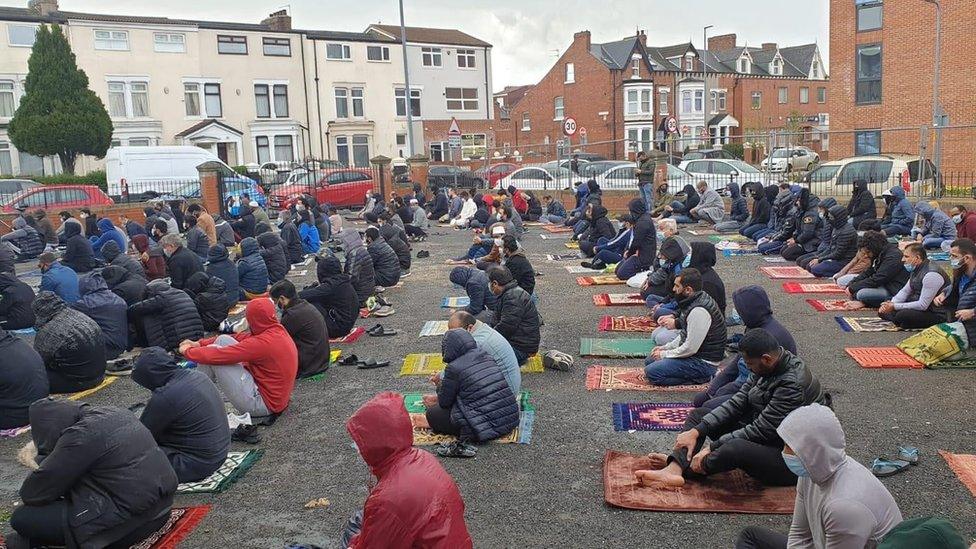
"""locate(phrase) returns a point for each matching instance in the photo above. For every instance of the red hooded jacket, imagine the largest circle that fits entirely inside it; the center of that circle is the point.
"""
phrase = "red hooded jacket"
(155, 265)
(415, 503)
(266, 351)
(967, 229)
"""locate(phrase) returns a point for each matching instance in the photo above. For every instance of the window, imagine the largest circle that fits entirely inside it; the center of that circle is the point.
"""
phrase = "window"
(337, 51)
(465, 59)
(638, 139)
(116, 99)
(867, 142)
(431, 57)
(169, 42)
(745, 66)
(401, 139)
(377, 53)
(639, 101)
(663, 101)
(139, 93)
(111, 40)
(570, 73)
(360, 151)
(342, 103)
(635, 68)
(473, 145)
(128, 99)
(868, 15)
(821, 95)
(7, 104)
(357, 102)
(138, 141)
(264, 149)
(461, 99)
(558, 110)
(271, 100)
(191, 98)
(262, 100)
(21, 36)
(686, 101)
(756, 100)
(276, 47)
(868, 74)
(872, 171)
(283, 151)
(718, 98)
(401, 102)
(211, 97)
(804, 95)
(784, 95)
(342, 149)
(6, 166)
(689, 63)
(776, 67)
(231, 45)
(699, 100)
(280, 92)
(526, 123)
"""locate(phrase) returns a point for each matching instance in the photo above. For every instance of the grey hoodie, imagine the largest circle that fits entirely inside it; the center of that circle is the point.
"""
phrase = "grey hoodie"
(841, 505)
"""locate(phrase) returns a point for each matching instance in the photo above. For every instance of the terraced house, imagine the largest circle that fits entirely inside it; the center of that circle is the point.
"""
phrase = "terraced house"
(253, 93)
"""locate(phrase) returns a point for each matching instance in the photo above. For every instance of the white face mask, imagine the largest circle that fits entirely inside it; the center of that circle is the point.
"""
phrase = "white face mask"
(498, 242)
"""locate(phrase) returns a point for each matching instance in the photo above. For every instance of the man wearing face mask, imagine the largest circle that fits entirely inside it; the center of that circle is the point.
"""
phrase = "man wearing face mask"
(913, 307)
(518, 264)
(742, 431)
(960, 296)
(842, 246)
(839, 503)
(965, 222)
(180, 262)
(516, 317)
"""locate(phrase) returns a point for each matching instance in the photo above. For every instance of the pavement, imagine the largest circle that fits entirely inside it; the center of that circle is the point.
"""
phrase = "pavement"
(550, 493)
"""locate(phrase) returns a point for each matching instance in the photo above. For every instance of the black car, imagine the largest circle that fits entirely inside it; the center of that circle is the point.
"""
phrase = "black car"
(450, 176)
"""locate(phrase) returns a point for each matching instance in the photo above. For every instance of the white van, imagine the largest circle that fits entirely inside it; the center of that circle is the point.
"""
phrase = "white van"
(158, 170)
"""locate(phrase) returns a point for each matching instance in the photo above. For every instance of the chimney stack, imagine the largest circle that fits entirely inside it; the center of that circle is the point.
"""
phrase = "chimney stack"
(769, 46)
(721, 43)
(584, 36)
(642, 36)
(278, 21)
(43, 7)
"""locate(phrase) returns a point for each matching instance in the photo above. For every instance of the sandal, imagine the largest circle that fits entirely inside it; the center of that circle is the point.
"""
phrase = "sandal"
(909, 454)
(350, 360)
(370, 364)
(888, 467)
(373, 328)
(457, 449)
(380, 331)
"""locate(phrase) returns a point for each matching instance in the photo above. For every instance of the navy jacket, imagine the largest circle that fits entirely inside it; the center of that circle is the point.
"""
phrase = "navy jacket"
(334, 296)
(220, 266)
(252, 272)
(475, 284)
(386, 264)
(181, 265)
(752, 304)
(739, 211)
(644, 243)
(107, 309)
(16, 299)
(78, 254)
(273, 253)
(22, 380)
(902, 214)
(207, 293)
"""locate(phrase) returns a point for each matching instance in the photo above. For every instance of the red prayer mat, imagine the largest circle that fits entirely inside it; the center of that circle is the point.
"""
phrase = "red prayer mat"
(802, 288)
(617, 300)
(627, 324)
(787, 271)
(351, 337)
(617, 378)
(824, 305)
(964, 466)
(882, 357)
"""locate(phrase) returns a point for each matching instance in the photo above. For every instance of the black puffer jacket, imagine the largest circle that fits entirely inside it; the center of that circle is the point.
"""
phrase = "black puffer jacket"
(209, 295)
(386, 264)
(292, 241)
(114, 256)
(522, 271)
(131, 288)
(359, 264)
(763, 402)
(105, 465)
(252, 272)
(71, 344)
(334, 296)
(22, 380)
(600, 225)
(644, 241)
(220, 266)
(168, 316)
(861, 207)
(661, 280)
(181, 265)
(7, 258)
(843, 239)
(78, 254)
(246, 223)
(308, 330)
(197, 241)
(397, 239)
(703, 259)
(807, 233)
(107, 309)
(886, 271)
(16, 298)
(185, 414)
(474, 389)
(517, 319)
(273, 253)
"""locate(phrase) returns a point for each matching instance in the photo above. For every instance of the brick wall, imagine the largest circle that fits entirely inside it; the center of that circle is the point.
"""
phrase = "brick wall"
(114, 212)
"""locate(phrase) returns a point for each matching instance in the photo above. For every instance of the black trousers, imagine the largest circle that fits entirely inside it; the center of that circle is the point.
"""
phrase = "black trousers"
(59, 383)
(761, 462)
(755, 537)
(414, 231)
(914, 320)
(47, 525)
(805, 259)
(792, 253)
(440, 421)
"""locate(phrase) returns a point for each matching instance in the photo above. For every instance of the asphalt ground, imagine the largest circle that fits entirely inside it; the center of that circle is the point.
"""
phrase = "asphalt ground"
(550, 493)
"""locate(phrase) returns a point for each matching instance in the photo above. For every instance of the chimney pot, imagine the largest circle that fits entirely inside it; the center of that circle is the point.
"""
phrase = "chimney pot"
(769, 46)
(43, 7)
(278, 21)
(721, 42)
(583, 36)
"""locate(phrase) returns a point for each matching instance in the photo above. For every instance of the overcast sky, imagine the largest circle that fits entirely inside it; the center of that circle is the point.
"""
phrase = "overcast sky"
(527, 35)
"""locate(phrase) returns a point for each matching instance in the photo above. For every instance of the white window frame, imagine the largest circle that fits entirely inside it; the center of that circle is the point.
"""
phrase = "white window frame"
(399, 94)
(570, 73)
(804, 95)
(111, 40)
(469, 59)
(428, 56)
(357, 94)
(358, 140)
(465, 103)
(127, 83)
(6, 152)
(12, 44)
(689, 62)
(220, 100)
(753, 104)
(783, 95)
(744, 65)
(819, 94)
(686, 94)
(384, 52)
(634, 136)
(344, 97)
(663, 101)
(201, 84)
(272, 87)
(558, 108)
(14, 100)
(644, 97)
(722, 100)
(470, 145)
(169, 42)
(635, 66)
(699, 101)
(343, 141)
(270, 140)
(401, 139)
(776, 67)
(526, 122)
(345, 51)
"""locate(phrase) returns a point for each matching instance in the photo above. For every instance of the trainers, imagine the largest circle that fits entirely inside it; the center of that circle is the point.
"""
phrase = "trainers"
(423, 254)
(246, 433)
(457, 449)
(557, 360)
(379, 289)
(385, 310)
(120, 367)
(404, 274)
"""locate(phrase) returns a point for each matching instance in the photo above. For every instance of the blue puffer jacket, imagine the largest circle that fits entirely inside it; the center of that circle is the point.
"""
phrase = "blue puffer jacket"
(902, 214)
(556, 208)
(739, 210)
(475, 390)
(826, 229)
(107, 310)
(937, 223)
(311, 240)
(220, 266)
(109, 233)
(252, 273)
(475, 284)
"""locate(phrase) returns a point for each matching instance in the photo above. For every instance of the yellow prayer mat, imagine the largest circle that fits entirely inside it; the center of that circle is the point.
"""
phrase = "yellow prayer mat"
(89, 392)
(425, 364)
(334, 355)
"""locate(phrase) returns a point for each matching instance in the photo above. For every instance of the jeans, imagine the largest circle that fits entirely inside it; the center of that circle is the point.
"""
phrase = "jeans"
(647, 194)
(765, 231)
(912, 319)
(845, 280)
(872, 297)
(756, 537)
(933, 242)
(772, 247)
(828, 268)
(805, 259)
(236, 383)
(663, 336)
(478, 250)
(895, 230)
(552, 219)
(678, 371)
(728, 226)
(439, 420)
(750, 230)
(682, 219)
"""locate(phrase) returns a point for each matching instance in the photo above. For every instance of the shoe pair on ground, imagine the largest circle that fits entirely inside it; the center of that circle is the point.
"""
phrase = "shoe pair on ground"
(456, 449)
(884, 467)
(379, 331)
(367, 364)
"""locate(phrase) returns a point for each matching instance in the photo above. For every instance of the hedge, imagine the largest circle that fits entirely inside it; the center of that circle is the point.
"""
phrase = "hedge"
(91, 178)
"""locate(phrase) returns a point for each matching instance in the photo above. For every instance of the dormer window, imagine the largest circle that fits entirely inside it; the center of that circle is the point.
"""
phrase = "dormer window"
(689, 62)
(635, 67)
(815, 70)
(745, 65)
(776, 67)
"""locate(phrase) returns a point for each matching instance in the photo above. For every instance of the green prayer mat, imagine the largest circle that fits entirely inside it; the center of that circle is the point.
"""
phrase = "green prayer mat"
(965, 364)
(234, 467)
(616, 348)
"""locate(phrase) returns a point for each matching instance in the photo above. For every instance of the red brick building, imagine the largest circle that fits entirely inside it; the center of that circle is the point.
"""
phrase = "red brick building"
(624, 92)
(882, 58)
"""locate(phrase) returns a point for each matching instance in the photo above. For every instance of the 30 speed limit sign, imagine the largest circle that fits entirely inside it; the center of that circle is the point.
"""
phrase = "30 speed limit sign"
(569, 126)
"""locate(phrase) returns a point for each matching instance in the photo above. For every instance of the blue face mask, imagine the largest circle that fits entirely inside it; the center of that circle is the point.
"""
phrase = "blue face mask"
(687, 261)
(662, 262)
(909, 267)
(955, 263)
(794, 464)
(660, 236)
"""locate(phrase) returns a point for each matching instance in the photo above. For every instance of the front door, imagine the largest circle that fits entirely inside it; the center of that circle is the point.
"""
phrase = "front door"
(222, 152)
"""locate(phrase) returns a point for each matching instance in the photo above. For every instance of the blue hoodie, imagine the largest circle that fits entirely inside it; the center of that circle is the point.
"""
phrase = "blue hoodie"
(475, 284)
(937, 223)
(752, 304)
(109, 232)
(739, 210)
(902, 214)
(61, 280)
(252, 272)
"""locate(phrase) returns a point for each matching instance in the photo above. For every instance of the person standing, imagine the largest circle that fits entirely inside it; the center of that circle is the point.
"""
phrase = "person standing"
(645, 179)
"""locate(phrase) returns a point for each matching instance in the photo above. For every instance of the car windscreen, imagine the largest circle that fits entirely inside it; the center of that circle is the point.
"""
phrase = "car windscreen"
(742, 166)
(694, 156)
(781, 153)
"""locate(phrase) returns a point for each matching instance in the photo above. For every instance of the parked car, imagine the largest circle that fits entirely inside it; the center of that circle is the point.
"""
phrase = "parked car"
(564, 163)
(709, 153)
(589, 157)
(623, 176)
(234, 187)
(599, 167)
(139, 171)
(453, 176)
(534, 178)
(494, 172)
(719, 171)
(56, 197)
(790, 159)
(339, 187)
(11, 187)
(882, 172)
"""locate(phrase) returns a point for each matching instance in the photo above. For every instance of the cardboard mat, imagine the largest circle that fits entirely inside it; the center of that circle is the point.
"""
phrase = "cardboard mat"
(627, 324)
(866, 324)
(580, 270)
(804, 288)
(557, 228)
(426, 364)
(599, 280)
(618, 300)
(434, 328)
(881, 357)
(619, 378)
(455, 302)
(789, 271)
(233, 468)
(615, 348)
(650, 416)
(351, 337)
(964, 466)
(108, 380)
(732, 492)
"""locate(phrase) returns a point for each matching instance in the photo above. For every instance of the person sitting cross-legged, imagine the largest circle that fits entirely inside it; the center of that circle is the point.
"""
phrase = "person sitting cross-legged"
(22, 379)
(936, 226)
(693, 356)
(334, 296)
(516, 316)
(839, 503)
(209, 295)
(883, 278)
(642, 247)
(610, 251)
(58, 278)
(493, 343)
(742, 431)
(710, 208)
(185, 414)
(71, 344)
(840, 250)
(107, 309)
(180, 261)
(359, 265)
(914, 307)
(306, 327)
(481, 301)
(518, 264)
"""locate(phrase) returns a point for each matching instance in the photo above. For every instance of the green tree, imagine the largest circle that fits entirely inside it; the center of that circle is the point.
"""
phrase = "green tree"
(58, 113)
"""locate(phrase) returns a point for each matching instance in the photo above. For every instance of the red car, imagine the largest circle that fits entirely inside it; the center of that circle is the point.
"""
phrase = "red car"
(57, 197)
(339, 187)
(494, 172)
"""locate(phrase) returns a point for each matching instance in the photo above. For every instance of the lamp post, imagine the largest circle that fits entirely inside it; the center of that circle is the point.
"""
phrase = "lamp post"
(706, 99)
(406, 82)
(705, 36)
(938, 118)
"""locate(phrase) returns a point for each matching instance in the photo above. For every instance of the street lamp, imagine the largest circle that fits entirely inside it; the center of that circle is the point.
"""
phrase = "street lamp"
(706, 99)
(406, 82)
(937, 116)
(705, 36)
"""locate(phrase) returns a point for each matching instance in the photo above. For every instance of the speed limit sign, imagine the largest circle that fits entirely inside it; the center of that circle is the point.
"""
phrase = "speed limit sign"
(569, 126)
(672, 124)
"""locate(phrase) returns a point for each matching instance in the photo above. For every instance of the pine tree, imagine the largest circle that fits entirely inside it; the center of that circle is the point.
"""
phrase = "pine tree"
(59, 114)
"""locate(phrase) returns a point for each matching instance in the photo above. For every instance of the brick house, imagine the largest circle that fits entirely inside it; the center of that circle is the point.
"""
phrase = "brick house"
(623, 93)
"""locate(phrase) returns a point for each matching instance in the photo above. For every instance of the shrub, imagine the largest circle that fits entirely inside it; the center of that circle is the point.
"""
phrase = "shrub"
(734, 148)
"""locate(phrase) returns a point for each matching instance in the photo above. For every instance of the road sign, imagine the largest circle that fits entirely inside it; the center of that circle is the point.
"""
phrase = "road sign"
(582, 131)
(454, 135)
(569, 126)
(672, 124)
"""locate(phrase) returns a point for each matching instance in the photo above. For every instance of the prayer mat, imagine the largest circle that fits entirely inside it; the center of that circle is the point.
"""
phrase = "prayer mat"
(24, 332)
(734, 253)
(297, 273)
(233, 468)
(617, 300)
(572, 245)
(616, 378)
(730, 245)
(414, 402)
(434, 328)
(650, 416)
(731, 492)
(801, 288)
(424, 436)
(627, 324)
(455, 302)
(599, 280)
(182, 521)
(580, 270)
(563, 257)
(775, 259)
(237, 309)
(300, 264)
(964, 466)
(557, 229)
(351, 337)
(108, 380)
(791, 271)
(703, 232)
(865, 324)
(615, 348)
(426, 364)
(824, 305)
(965, 364)
(16, 431)
(717, 238)
(555, 236)
(881, 357)
(934, 344)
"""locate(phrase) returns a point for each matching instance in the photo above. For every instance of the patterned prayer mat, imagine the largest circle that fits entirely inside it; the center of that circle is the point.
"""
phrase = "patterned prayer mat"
(775, 259)
(717, 238)
(824, 305)
(89, 392)
(734, 245)
(563, 257)
(802, 288)
(617, 300)
(964, 466)
(734, 253)
(935, 343)
(650, 416)
(423, 436)
(627, 324)
(580, 270)
(866, 324)
(434, 328)
(615, 348)
(297, 273)
(703, 232)
(234, 467)
(881, 357)
(617, 378)
(732, 492)
(182, 521)
(16, 431)
(426, 364)
(237, 309)
(965, 364)
(572, 245)
(791, 271)
(557, 229)
(455, 302)
(599, 280)
(414, 402)
(351, 337)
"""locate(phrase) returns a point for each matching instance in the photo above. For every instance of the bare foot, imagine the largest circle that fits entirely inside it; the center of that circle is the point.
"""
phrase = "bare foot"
(662, 477)
(658, 461)
(853, 305)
